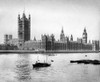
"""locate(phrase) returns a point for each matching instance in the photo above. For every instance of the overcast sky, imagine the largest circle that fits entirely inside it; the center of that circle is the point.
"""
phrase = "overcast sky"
(49, 16)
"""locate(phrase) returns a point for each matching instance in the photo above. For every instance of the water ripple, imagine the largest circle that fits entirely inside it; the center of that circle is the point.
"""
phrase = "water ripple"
(23, 70)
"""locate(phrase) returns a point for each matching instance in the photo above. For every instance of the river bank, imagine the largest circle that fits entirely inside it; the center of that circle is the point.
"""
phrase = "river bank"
(49, 51)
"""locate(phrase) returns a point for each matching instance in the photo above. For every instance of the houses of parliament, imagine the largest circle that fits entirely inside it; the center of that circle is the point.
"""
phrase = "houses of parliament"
(47, 42)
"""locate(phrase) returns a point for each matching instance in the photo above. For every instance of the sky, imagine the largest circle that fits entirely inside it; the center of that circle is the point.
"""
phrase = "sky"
(50, 16)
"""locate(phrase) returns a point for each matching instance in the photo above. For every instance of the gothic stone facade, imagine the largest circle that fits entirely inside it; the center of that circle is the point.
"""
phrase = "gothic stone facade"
(23, 29)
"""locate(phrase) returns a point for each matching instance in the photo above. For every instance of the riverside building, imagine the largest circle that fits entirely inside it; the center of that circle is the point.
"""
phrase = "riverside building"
(23, 29)
(48, 42)
(65, 44)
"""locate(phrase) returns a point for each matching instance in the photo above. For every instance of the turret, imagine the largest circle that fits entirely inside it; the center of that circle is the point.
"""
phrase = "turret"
(34, 39)
(24, 16)
(71, 38)
(29, 16)
(19, 17)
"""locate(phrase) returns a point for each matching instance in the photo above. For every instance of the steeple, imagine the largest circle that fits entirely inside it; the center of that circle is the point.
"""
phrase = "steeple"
(71, 38)
(18, 16)
(24, 14)
(29, 16)
(85, 30)
(62, 31)
(34, 39)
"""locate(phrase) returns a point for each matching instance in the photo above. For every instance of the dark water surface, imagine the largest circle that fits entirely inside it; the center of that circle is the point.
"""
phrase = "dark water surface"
(18, 68)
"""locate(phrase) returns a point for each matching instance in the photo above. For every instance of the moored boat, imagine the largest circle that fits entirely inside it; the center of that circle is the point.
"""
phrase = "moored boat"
(94, 62)
(41, 65)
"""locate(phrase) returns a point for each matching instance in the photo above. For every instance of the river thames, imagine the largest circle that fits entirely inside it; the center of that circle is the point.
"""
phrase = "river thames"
(18, 68)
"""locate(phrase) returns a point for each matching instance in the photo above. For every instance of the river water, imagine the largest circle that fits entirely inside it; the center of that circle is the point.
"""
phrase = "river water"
(18, 68)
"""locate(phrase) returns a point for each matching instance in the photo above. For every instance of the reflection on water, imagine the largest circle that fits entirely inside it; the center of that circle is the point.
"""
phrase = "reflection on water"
(23, 69)
(18, 68)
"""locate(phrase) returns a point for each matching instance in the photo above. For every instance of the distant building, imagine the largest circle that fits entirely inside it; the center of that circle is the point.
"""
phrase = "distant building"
(84, 36)
(79, 40)
(50, 43)
(23, 29)
(62, 36)
(13, 41)
(47, 42)
(33, 45)
(95, 45)
(71, 38)
(10, 37)
(7, 37)
(9, 43)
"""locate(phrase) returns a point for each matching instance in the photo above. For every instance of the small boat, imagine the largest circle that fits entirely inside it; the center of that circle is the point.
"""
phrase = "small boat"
(94, 62)
(41, 65)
